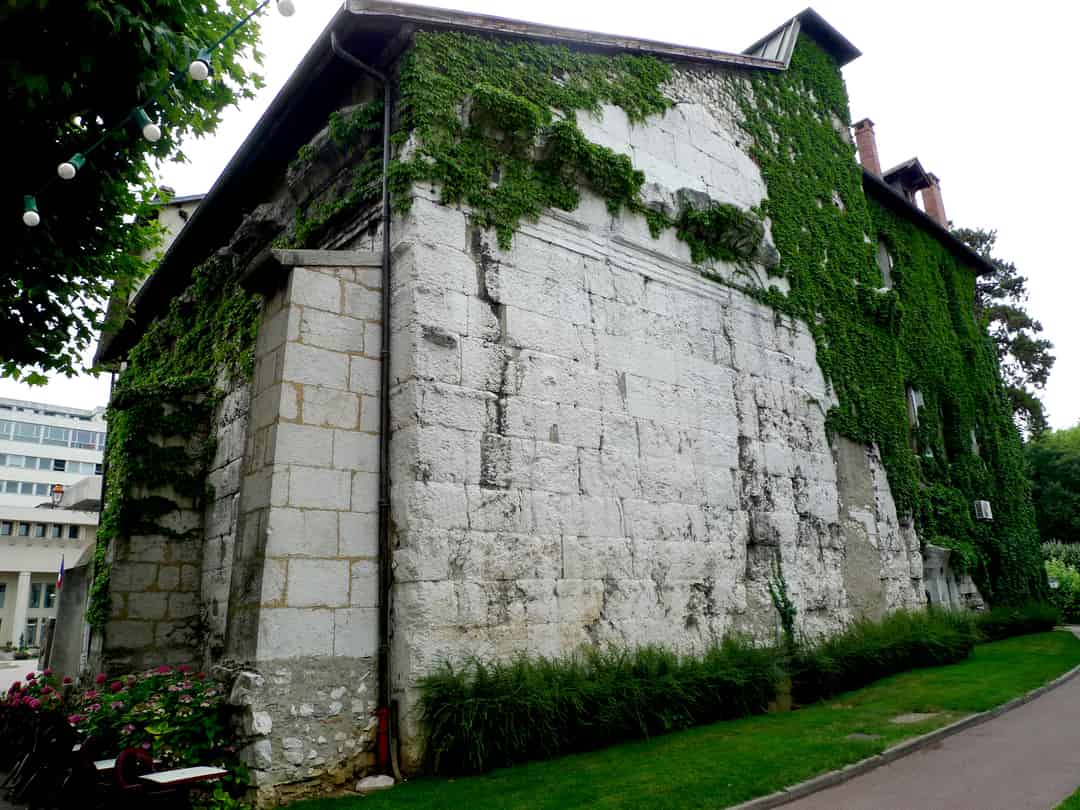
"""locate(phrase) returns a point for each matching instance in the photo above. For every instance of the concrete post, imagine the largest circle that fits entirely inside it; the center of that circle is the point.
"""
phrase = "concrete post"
(22, 603)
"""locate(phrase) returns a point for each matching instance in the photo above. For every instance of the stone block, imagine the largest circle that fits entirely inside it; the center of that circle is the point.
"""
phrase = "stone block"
(317, 488)
(301, 533)
(356, 451)
(318, 583)
(168, 578)
(362, 302)
(301, 444)
(358, 534)
(356, 632)
(129, 635)
(183, 605)
(328, 330)
(310, 288)
(365, 491)
(330, 407)
(310, 365)
(147, 605)
(364, 591)
(294, 632)
(364, 375)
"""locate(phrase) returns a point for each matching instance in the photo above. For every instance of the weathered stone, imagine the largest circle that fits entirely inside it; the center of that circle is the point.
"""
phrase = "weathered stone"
(373, 784)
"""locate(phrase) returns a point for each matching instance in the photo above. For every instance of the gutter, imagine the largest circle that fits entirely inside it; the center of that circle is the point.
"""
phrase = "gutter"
(386, 754)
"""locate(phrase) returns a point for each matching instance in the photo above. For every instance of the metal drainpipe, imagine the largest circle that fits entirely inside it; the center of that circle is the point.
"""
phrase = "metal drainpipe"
(385, 747)
(101, 510)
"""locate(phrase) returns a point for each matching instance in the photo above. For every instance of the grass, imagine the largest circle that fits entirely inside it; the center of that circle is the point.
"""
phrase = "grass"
(730, 762)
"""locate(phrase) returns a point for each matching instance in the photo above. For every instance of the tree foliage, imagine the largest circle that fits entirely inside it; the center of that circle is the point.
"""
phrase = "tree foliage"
(71, 73)
(1055, 477)
(1025, 358)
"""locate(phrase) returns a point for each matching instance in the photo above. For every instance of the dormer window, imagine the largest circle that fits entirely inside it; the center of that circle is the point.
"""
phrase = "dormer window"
(914, 403)
(885, 265)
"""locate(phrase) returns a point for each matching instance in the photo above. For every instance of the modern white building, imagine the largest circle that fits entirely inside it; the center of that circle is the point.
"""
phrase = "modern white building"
(47, 453)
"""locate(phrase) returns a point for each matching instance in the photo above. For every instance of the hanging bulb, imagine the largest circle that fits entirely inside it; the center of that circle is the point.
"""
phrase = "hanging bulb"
(286, 7)
(199, 69)
(31, 218)
(150, 130)
(69, 169)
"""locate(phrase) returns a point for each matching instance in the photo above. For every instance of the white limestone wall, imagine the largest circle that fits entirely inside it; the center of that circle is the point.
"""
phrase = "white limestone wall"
(593, 442)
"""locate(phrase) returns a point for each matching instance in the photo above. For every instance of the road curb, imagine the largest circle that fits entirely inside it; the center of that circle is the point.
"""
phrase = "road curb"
(898, 751)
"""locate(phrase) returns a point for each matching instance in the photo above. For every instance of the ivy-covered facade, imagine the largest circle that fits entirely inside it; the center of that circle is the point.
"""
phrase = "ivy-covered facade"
(641, 358)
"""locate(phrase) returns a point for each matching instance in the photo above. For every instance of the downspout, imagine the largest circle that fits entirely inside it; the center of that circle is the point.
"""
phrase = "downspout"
(88, 641)
(385, 742)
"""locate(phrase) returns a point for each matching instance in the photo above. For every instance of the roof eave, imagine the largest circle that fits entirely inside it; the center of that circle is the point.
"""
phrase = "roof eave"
(889, 197)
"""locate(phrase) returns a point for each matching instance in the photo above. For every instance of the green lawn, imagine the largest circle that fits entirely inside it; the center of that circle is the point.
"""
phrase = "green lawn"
(1071, 803)
(727, 763)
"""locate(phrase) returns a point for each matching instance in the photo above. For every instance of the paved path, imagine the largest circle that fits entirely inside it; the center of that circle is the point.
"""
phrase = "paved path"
(11, 671)
(1026, 759)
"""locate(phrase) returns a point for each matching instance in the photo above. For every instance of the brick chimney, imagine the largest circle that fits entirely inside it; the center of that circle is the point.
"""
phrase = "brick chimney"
(932, 204)
(867, 145)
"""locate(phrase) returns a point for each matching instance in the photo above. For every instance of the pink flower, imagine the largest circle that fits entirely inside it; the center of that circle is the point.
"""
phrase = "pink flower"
(163, 669)
(75, 719)
(94, 707)
(30, 676)
(146, 745)
(117, 705)
(200, 676)
(183, 668)
(116, 686)
(90, 694)
(67, 680)
(34, 703)
(47, 690)
(185, 698)
(15, 687)
(100, 679)
(47, 672)
(128, 729)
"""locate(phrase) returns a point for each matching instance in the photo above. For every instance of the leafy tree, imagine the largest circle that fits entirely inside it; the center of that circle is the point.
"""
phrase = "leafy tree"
(1025, 358)
(71, 72)
(1055, 474)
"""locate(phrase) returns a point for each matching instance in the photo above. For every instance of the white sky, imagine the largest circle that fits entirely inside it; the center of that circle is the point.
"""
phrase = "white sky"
(983, 93)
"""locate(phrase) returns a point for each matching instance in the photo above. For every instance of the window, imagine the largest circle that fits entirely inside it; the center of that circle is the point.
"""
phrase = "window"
(56, 530)
(36, 589)
(914, 403)
(73, 532)
(59, 465)
(5, 429)
(55, 435)
(41, 489)
(6, 528)
(3, 594)
(11, 487)
(39, 530)
(26, 487)
(30, 636)
(885, 265)
(24, 530)
(97, 469)
(43, 464)
(86, 439)
(50, 597)
(26, 432)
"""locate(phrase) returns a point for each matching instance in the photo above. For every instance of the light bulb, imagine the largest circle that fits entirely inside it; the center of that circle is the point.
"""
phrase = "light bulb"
(199, 69)
(31, 218)
(70, 168)
(286, 7)
(150, 130)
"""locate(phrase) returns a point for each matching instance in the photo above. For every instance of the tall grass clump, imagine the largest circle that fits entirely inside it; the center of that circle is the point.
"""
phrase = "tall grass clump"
(868, 650)
(1006, 622)
(485, 715)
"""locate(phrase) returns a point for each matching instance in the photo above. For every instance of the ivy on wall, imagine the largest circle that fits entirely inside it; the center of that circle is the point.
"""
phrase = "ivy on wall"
(873, 344)
(159, 445)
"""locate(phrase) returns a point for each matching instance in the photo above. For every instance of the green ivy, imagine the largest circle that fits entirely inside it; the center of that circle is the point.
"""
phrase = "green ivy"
(872, 343)
(159, 415)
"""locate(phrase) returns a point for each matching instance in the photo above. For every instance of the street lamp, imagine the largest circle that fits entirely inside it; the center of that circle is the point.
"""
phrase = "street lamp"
(57, 494)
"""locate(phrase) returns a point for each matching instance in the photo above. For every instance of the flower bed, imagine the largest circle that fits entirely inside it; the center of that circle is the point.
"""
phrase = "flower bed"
(178, 715)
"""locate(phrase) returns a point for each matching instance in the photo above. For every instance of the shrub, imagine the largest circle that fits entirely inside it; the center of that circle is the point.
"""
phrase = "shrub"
(869, 650)
(483, 715)
(1006, 622)
(1066, 596)
(1068, 553)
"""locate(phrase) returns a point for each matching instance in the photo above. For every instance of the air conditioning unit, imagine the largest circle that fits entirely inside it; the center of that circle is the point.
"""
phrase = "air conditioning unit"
(982, 510)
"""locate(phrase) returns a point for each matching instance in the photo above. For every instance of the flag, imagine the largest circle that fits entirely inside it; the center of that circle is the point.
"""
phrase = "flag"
(60, 574)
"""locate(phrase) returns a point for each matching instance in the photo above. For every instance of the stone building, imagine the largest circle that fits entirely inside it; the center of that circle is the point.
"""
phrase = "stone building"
(595, 401)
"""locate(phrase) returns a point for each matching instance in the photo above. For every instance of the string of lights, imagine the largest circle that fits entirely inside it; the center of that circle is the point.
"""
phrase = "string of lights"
(200, 69)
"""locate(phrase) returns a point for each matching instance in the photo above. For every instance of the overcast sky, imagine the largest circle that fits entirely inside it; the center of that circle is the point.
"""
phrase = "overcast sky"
(983, 93)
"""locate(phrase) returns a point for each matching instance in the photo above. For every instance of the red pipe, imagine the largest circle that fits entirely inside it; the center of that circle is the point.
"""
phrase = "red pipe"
(382, 740)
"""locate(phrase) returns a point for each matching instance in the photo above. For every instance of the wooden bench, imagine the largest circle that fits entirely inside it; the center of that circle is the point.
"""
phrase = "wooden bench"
(184, 776)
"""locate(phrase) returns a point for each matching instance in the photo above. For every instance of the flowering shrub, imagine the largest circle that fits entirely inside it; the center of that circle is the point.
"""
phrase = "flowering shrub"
(178, 715)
